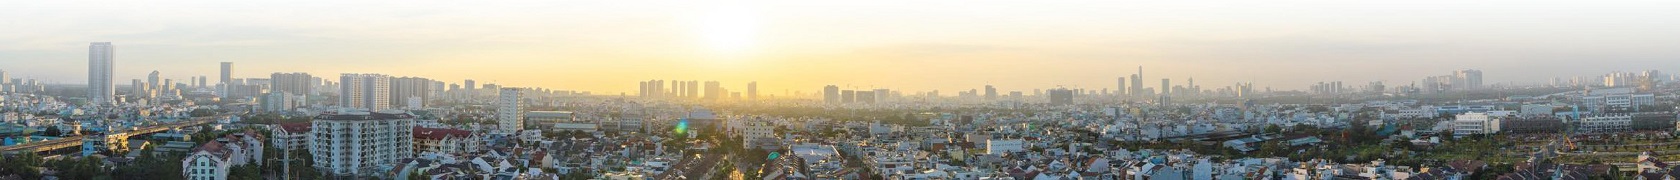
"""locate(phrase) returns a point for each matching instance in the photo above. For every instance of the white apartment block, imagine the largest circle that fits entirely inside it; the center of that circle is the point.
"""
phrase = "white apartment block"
(294, 136)
(758, 133)
(355, 143)
(369, 92)
(1475, 123)
(510, 113)
(1606, 122)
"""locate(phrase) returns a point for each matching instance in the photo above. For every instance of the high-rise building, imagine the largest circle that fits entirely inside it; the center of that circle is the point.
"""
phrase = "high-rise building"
(1137, 83)
(714, 90)
(1060, 96)
(510, 113)
(371, 92)
(752, 90)
(866, 97)
(227, 73)
(357, 143)
(101, 56)
(848, 96)
(1468, 79)
(405, 88)
(203, 81)
(153, 81)
(831, 94)
(1166, 87)
(991, 92)
(1121, 91)
(472, 86)
(296, 83)
(693, 89)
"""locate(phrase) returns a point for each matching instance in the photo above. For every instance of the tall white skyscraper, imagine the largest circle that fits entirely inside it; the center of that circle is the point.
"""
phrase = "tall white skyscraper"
(510, 113)
(100, 65)
(365, 91)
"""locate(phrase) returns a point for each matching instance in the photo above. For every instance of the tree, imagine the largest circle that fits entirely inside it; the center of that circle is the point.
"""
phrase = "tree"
(1273, 128)
(52, 131)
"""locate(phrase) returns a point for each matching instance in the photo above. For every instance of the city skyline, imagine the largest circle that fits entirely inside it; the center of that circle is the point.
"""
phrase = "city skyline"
(786, 49)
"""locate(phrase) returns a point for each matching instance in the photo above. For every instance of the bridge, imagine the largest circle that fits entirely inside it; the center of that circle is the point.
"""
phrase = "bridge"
(76, 141)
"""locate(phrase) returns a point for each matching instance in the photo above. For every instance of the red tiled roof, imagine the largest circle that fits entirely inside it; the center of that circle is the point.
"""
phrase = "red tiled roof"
(438, 134)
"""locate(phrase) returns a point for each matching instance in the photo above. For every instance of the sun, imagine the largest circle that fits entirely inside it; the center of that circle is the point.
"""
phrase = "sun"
(729, 28)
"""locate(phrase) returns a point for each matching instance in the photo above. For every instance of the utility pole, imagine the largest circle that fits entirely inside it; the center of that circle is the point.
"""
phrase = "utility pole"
(286, 162)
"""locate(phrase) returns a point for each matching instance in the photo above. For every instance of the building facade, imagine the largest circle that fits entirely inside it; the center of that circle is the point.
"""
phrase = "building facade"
(354, 143)
(510, 113)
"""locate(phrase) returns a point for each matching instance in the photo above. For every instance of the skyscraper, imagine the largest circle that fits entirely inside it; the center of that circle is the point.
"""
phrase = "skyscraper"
(831, 94)
(227, 72)
(152, 80)
(364, 91)
(472, 86)
(291, 83)
(752, 90)
(510, 113)
(1470, 78)
(1137, 83)
(714, 90)
(1122, 90)
(693, 89)
(1166, 86)
(405, 89)
(225, 85)
(100, 64)
(991, 92)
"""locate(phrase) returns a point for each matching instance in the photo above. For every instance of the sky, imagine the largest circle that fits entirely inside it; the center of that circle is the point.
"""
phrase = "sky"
(799, 46)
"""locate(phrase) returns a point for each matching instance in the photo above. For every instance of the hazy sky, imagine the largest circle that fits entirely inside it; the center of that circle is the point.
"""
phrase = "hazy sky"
(606, 46)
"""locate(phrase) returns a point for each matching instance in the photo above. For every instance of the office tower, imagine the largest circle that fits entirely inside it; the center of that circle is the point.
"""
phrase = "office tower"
(1166, 87)
(227, 72)
(100, 65)
(752, 90)
(203, 81)
(296, 83)
(370, 92)
(139, 88)
(510, 113)
(991, 92)
(1191, 86)
(1060, 96)
(714, 90)
(356, 143)
(1137, 83)
(848, 96)
(1122, 90)
(831, 94)
(404, 89)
